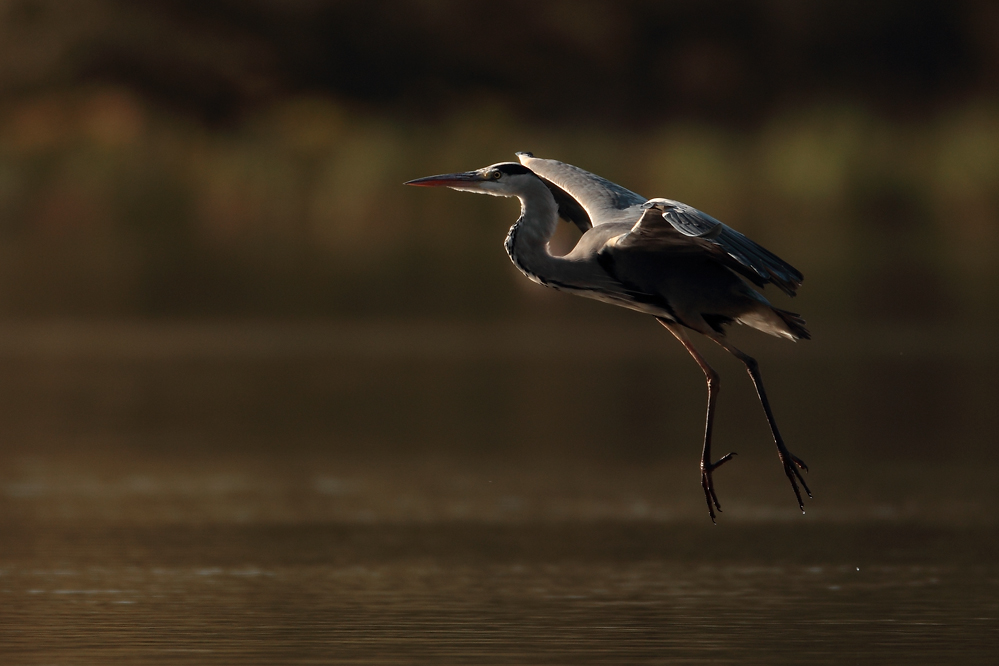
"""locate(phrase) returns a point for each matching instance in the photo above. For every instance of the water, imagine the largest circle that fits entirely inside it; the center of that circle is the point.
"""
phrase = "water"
(468, 592)
(365, 494)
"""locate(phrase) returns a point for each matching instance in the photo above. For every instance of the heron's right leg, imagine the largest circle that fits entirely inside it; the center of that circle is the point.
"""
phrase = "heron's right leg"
(714, 385)
(792, 464)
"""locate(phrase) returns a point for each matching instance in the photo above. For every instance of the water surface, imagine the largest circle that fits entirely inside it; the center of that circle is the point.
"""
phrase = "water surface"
(228, 495)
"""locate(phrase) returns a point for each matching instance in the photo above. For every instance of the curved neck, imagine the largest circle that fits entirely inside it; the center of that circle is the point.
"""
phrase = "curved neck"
(527, 242)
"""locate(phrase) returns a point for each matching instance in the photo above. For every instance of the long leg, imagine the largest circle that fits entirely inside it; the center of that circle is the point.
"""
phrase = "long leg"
(791, 463)
(714, 385)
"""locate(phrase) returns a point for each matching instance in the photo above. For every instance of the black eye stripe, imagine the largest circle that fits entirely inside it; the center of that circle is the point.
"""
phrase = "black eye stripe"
(512, 168)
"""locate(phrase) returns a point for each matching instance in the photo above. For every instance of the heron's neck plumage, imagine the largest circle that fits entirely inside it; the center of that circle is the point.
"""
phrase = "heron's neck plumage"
(527, 242)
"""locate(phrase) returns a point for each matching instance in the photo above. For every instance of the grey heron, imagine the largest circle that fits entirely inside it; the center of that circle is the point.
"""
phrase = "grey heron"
(657, 256)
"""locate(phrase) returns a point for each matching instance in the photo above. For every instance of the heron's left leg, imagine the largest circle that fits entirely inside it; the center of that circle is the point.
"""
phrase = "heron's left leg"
(714, 383)
(791, 463)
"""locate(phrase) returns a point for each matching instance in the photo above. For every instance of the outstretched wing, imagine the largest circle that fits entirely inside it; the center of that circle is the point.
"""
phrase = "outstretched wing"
(602, 200)
(568, 208)
(668, 223)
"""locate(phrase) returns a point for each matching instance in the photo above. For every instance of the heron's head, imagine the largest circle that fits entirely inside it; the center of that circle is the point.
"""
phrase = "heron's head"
(506, 179)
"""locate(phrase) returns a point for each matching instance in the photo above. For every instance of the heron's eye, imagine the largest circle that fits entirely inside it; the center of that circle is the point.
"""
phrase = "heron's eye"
(495, 175)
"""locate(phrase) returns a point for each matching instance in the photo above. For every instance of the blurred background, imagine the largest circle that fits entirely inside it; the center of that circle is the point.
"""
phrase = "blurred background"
(258, 399)
(173, 158)
(205, 243)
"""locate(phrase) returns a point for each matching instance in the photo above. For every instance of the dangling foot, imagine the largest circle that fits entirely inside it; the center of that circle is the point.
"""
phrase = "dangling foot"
(792, 464)
(709, 485)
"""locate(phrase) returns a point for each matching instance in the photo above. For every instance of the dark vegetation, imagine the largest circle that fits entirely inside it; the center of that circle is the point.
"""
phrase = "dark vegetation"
(223, 157)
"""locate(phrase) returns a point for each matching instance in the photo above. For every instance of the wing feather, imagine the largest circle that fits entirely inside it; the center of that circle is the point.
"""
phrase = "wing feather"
(585, 198)
(602, 200)
(568, 208)
(678, 226)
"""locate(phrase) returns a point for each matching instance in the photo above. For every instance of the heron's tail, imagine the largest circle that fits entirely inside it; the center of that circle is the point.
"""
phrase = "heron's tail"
(794, 323)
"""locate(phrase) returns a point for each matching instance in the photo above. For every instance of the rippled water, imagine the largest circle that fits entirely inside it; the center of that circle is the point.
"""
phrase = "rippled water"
(210, 496)
(472, 593)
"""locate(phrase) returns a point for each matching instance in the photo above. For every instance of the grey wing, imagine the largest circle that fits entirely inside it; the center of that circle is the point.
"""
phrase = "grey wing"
(688, 220)
(568, 208)
(602, 200)
(676, 225)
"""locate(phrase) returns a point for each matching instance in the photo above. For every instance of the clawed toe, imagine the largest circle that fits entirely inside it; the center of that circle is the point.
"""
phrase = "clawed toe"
(792, 467)
(721, 461)
(707, 483)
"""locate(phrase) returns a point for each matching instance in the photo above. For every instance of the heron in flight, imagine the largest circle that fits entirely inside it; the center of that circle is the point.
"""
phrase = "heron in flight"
(656, 256)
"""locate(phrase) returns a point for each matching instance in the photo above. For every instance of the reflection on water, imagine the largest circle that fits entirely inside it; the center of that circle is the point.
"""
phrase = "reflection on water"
(340, 495)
